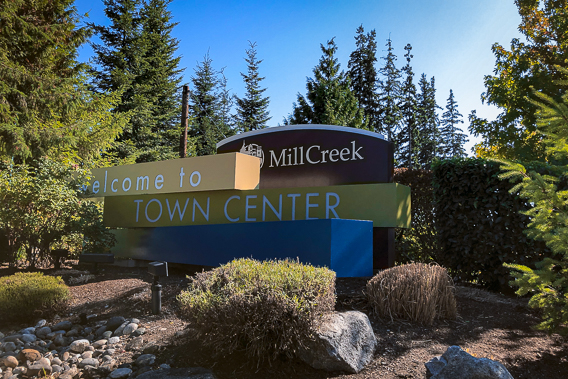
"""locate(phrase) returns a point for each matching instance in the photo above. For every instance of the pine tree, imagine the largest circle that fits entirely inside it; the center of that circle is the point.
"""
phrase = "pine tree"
(137, 57)
(162, 75)
(389, 96)
(329, 99)
(252, 109)
(363, 75)
(209, 103)
(427, 118)
(45, 105)
(408, 139)
(452, 139)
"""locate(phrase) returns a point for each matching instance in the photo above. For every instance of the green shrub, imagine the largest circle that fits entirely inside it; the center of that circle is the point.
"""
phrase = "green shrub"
(416, 292)
(261, 308)
(418, 243)
(479, 223)
(25, 296)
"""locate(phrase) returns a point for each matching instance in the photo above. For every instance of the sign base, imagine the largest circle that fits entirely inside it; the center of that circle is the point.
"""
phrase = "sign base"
(344, 246)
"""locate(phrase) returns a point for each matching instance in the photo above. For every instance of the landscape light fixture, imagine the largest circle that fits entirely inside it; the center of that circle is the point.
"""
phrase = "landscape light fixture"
(157, 269)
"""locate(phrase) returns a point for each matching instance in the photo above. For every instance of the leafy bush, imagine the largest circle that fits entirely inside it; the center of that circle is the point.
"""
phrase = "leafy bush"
(417, 244)
(416, 292)
(42, 210)
(479, 223)
(261, 308)
(24, 295)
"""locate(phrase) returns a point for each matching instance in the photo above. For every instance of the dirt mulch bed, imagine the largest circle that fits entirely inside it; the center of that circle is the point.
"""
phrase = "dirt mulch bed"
(489, 325)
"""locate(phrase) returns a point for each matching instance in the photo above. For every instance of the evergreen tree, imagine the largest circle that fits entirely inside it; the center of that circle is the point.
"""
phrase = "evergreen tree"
(252, 109)
(452, 138)
(137, 57)
(329, 99)
(363, 75)
(427, 118)
(45, 105)
(389, 96)
(209, 103)
(162, 75)
(408, 139)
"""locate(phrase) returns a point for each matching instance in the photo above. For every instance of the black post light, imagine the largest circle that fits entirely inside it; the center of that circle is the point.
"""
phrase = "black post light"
(157, 269)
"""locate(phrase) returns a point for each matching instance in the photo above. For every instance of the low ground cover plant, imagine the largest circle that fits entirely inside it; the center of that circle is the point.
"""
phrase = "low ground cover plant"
(261, 308)
(417, 292)
(24, 296)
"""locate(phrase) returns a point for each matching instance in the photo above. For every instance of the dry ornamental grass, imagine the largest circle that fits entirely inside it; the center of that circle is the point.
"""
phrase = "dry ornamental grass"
(416, 292)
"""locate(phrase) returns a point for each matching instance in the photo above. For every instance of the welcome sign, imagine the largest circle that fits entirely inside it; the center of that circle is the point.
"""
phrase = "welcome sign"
(319, 193)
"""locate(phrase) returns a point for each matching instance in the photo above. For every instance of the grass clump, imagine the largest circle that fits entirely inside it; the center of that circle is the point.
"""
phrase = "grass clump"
(24, 296)
(418, 292)
(260, 308)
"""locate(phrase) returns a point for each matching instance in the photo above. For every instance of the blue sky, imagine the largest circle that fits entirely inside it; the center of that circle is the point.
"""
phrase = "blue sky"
(451, 40)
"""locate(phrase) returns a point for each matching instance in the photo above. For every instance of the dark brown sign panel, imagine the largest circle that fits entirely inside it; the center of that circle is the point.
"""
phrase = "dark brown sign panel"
(315, 155)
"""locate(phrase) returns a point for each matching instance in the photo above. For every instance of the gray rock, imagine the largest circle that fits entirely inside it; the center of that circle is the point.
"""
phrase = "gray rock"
(138, 332)
(344, 342)
(78, 346)
(110, 351)
(72, 333)
(105, 369)
(9, 346)
(456, 363)
(128, 329)
(120, 373)
(101, 330)
(59, 340)
(98, 344)
(56, 369)
(87, 354)
(118, 331)
(43, 332)
(13, 338)
(29, 338)
(113, 340)
(145, 360)
(179, 373)
(135, 344)
(114, 322)
(63, 325)
(56, 361)
(30, 330)
(106, 335)
(135, 321)
(1, 335)
(41, 323)
(89, 362)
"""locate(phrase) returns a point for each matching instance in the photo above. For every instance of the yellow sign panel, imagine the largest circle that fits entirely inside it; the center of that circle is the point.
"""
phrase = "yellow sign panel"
(207, 173)
(386, 204)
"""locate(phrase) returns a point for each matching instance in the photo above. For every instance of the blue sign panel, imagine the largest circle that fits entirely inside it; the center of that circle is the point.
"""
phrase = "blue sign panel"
(344, 246)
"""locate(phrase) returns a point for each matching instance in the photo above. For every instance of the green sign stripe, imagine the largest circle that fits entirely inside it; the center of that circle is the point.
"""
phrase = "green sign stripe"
(386, 204)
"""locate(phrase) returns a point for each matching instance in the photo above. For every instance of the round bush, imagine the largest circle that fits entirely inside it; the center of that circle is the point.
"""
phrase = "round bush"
(261, 308)
(24, 296)
(417, 292)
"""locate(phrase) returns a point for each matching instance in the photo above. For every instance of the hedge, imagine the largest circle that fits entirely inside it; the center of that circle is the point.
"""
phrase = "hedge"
(479, 223)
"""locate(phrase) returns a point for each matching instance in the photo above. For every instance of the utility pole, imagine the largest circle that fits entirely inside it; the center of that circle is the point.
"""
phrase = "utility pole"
(184, 117)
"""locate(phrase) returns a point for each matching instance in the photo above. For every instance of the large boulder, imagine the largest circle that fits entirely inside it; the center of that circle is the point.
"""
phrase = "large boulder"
(344, 342)
(458, 364)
